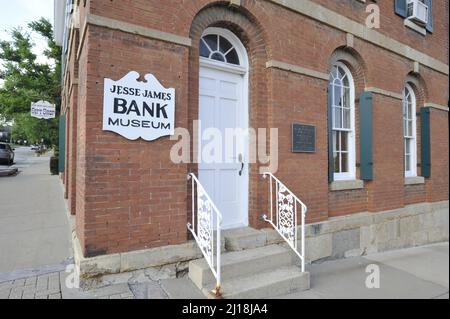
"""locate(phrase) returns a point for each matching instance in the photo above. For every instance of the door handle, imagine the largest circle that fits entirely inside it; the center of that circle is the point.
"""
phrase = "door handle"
(242, 164)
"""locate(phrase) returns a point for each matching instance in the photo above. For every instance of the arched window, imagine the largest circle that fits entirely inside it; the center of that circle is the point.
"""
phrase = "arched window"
(217, 47)
(342, 90)
(409, 131)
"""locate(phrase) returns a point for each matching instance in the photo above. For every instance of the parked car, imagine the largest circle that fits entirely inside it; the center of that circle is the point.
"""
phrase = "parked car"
(34, 147)
(6, 153)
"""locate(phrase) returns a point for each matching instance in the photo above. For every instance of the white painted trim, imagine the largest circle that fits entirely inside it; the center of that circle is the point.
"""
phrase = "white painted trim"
(244, 120)
(235, 42)
(217, 65)
(351, 174)
(413, 162)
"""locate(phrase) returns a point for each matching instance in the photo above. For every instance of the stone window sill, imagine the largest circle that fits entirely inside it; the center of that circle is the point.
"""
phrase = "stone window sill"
(346, 185)
(408, 23)
(416, 180)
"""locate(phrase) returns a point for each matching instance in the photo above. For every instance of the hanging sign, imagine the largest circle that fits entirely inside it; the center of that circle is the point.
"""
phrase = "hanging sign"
(136, 109)
(43, 110)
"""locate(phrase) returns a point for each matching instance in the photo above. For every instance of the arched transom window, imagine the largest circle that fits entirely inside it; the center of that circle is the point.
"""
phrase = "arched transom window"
(218, 48)
(342, 111)
(409, 131)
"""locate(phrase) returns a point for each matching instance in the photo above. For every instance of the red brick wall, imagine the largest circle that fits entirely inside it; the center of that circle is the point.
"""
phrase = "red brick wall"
(301, 99)
(71, 146)
(439, 156)
(134, 196)
(66, 152)
(72, 153)
(81, 144)
(415, 194)
(391, 25)
(386, 189)
(129, 195)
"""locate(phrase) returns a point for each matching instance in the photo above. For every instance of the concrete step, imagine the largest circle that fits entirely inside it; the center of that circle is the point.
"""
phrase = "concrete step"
(267, 284)
(243, 238)
(240, 264)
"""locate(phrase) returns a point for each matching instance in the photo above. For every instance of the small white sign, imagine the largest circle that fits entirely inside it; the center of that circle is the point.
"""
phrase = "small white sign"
(136, 109)
(43, 110)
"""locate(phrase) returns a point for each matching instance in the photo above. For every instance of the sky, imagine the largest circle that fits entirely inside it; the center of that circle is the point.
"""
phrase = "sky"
(15, 13)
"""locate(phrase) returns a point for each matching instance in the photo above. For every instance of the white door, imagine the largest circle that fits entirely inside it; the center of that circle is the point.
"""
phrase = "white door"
(223, 106)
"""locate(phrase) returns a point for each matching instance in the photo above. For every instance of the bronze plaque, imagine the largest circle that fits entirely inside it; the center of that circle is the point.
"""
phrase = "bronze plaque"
(303, 138)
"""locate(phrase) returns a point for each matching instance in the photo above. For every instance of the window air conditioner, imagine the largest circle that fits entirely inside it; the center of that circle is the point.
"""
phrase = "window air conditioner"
(417, 11)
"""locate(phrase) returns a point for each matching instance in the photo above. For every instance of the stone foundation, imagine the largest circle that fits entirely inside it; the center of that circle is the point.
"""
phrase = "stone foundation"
(366, 233)
(338, 237)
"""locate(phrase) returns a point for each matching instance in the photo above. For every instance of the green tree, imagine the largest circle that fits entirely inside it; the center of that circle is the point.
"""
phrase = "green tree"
(27, 81)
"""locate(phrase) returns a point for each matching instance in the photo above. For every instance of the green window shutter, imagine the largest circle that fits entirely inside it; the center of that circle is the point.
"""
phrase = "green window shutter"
(330, 135)
(400, 8)
(365, 123)
(429, 26)
(425, 142)
(62, 143)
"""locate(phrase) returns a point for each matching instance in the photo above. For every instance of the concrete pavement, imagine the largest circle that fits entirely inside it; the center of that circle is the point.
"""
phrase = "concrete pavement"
(411, 273)
(34, 228)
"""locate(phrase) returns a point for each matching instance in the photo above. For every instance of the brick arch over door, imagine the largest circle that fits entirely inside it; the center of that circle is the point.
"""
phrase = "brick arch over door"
(250, 33)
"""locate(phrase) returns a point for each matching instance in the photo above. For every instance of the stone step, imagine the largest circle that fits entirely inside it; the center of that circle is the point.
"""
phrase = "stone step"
(240, 263)
(280, 281)
(243, 238)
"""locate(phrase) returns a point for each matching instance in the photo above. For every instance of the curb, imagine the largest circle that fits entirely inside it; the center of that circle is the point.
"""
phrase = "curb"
(8, 171)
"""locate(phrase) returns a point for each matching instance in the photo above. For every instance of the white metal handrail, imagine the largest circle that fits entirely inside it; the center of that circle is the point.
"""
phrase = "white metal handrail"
(286, 221)
(203, 230)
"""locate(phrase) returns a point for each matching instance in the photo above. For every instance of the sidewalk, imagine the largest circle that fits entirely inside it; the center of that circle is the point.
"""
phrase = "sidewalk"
(34, 229)
(412, 273)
